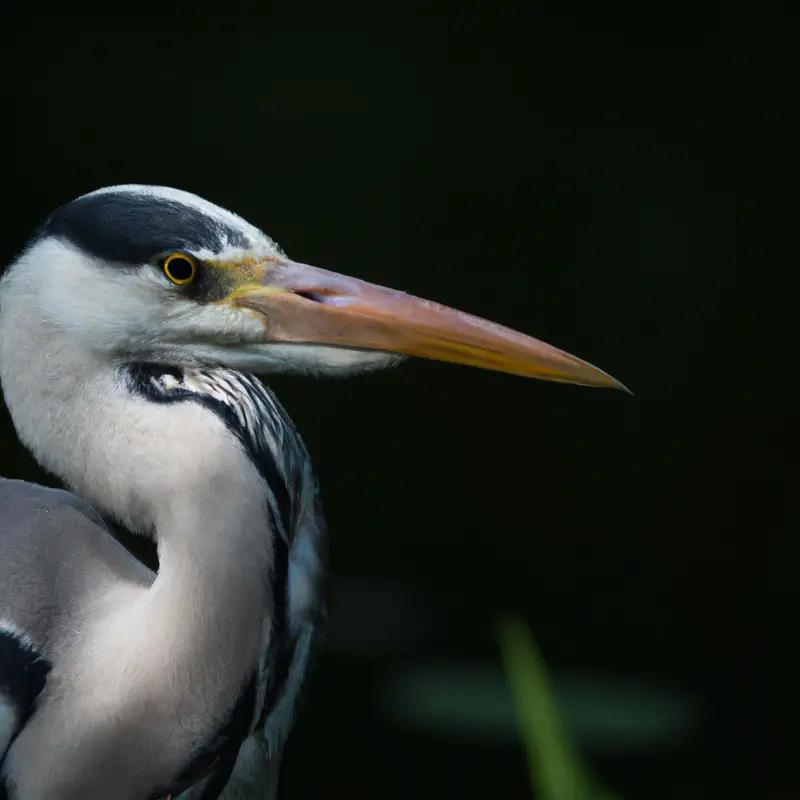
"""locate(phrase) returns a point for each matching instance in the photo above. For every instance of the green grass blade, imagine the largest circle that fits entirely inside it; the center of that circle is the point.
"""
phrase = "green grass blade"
(557, 772)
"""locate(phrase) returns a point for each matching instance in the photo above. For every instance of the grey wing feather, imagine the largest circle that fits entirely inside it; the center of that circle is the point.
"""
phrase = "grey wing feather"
(55, 551)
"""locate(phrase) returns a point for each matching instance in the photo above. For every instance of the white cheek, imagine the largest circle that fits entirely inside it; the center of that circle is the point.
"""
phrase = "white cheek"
(133, 313)
(101, 304)
(225, 324)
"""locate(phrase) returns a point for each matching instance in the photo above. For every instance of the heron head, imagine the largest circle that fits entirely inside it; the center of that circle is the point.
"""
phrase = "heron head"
(157, 274)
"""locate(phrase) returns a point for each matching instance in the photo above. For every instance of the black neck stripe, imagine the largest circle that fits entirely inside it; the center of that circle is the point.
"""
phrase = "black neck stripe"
(145, 379)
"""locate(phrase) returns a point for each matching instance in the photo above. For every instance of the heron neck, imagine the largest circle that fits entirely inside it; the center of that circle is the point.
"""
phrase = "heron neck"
(171, 471)
(211, 599)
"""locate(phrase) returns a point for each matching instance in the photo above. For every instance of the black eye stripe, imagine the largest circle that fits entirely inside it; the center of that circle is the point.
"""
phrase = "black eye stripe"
(126, 228)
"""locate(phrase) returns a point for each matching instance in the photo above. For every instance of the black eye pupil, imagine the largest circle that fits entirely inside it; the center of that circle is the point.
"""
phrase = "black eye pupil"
(180, 269)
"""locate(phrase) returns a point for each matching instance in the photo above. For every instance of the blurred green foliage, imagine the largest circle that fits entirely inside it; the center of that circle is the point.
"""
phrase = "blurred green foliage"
(557, 771)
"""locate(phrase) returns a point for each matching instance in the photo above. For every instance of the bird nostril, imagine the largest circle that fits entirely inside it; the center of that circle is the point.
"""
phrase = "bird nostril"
(313, 296)
(327, 298)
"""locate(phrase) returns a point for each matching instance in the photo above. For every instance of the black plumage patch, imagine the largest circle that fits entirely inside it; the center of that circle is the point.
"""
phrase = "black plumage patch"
(129, 228)
(23, 675)
(281, 646)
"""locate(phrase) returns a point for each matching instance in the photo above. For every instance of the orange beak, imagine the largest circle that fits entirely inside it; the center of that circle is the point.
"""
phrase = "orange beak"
(303, 304)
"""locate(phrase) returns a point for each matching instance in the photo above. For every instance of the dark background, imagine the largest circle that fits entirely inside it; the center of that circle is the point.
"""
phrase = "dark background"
(592, 176)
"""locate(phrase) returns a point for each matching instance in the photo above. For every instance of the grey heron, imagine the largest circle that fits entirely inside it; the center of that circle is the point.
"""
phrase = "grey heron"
(131, 325)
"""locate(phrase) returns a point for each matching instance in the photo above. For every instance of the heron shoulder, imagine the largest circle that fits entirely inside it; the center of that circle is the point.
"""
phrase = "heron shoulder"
(55, 549)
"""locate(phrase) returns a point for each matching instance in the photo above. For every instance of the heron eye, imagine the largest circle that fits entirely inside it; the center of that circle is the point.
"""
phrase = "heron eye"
(180, 268)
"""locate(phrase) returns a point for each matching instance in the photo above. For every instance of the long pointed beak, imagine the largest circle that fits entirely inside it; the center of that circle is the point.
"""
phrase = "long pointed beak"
(303, 304)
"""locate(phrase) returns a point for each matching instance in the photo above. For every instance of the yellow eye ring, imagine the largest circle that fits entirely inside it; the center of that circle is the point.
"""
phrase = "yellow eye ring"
(180, 268)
